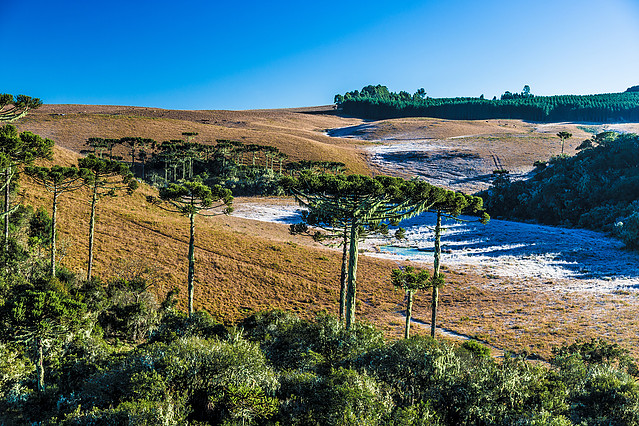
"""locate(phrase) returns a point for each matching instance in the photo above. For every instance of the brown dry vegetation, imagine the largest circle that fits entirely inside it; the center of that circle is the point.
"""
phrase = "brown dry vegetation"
(244, 265)
(297, 133)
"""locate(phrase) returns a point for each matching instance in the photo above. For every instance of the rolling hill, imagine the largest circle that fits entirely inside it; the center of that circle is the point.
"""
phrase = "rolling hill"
(245, 265)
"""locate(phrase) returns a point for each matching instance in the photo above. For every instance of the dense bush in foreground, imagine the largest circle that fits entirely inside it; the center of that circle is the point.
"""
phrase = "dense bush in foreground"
(131, 360)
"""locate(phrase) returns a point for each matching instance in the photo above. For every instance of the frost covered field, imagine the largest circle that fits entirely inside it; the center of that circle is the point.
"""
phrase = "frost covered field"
(574, 259)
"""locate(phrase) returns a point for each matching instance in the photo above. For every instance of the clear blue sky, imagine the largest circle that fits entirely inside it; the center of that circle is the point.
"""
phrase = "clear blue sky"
(270, 54)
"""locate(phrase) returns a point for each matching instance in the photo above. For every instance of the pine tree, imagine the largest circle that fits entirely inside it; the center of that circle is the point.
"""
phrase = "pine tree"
(564, 136)
(57, 180)
(105, 178)
(193, 198)
(410, 281)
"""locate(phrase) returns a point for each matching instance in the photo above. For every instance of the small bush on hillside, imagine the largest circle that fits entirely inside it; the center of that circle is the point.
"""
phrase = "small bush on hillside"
(628, 230)
(476, 348)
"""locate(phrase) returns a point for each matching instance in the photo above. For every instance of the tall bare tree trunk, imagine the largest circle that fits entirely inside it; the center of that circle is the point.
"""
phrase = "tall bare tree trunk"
(409, 313)
(352, 276)
(40, 364)
(53, 230)
(94, 201)
(343, 281)
(191, 275)
(438, 253)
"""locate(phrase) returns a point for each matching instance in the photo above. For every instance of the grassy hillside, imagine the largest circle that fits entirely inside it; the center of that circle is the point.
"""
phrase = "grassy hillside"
(244, 265)
(297, 133)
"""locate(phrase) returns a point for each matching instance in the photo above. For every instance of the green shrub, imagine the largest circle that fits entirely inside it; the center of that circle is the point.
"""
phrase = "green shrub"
(341, 397)
(324, 343)
(476, 348)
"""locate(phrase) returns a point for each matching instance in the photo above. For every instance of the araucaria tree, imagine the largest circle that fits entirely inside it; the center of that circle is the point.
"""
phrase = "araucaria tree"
(451, 206)
(17, 150)
(410, 281)
(193, 198)
(57, 180)
(12, 109)
(105, 178)
(564, 136)
(42, 317)
(363, 201)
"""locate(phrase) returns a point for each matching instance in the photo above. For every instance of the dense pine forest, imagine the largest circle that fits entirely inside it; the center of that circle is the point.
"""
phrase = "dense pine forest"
(377, 102)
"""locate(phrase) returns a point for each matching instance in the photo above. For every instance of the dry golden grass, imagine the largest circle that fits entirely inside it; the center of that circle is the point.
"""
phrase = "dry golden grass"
(244, 265)
(300, 135)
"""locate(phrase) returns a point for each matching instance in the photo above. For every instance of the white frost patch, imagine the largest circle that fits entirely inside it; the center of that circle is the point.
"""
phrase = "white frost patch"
(269, 213)
(581, 260)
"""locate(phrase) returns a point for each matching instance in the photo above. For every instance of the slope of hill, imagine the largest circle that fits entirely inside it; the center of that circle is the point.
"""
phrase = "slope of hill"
(299, 133)
(245, 265)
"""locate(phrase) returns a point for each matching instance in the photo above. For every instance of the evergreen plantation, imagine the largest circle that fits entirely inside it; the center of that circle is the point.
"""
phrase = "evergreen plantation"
(377, 102)
(79, 350)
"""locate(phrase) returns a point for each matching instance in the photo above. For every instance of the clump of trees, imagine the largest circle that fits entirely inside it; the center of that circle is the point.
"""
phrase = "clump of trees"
(596, 189)
(377, 102)
(353, 204)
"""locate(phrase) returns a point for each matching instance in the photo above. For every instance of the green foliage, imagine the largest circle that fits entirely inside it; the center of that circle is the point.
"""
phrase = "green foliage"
(376, 102)
(595, 189)
(196, 376)
(291, 343)
(596, 351)
(130, 311)
(14, 108)
(191, 197)
(476, 348)
(286, 370)
(628, 230)
(409, 279)
(242, 404)
(341, 397)
(23, 148)
(107, 176)
(176, 325)
(15, 372)
(599, 393)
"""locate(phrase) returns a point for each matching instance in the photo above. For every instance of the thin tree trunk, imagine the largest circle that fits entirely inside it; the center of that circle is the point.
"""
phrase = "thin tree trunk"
(438, 253)
(7, 192)
(40, 364)
(352, 276)
(94, 201)
(343, 276)
(409, 313)
(191, 276)
(53, 229)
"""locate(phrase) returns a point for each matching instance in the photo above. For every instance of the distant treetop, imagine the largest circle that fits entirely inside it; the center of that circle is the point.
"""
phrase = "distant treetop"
(377, 102)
